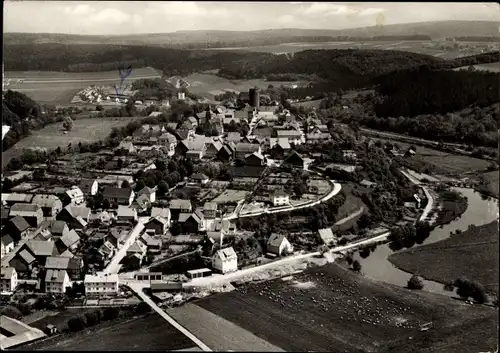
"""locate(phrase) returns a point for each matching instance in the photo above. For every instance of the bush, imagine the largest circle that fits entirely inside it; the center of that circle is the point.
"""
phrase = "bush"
(110, 314)
(24, 309)
(356, 266)
(349, 259)
(11, 311)
(364, 252)
(92, 318)
(142, 308)
(415, 283)
(76, 324)
(467, 289)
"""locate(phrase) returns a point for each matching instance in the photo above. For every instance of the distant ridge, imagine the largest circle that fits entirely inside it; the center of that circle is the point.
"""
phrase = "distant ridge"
(436, 30)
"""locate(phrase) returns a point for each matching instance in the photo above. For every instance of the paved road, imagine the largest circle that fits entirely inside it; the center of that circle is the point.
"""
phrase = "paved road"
(132, 237)
(137, 288)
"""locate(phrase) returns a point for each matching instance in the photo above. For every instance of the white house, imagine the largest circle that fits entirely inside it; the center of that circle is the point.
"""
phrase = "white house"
(8, 279)
(8, 244)
(76, 195)
(101, 284)
(278, 244)
(149, 192)
(56, 281)
(225, 260)
(126, 214)
(293, 136)
(280, 198)
(89, 186)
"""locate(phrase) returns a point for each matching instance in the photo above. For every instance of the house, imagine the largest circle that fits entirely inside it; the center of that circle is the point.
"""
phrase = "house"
(192, 222)
(349, 154)
(51, 205)
(367, 183)
(126, 146)
(280, 145)
(55, 228)
(7, 243)
(210, 210)
(119, 196)
(212, 148)
(225, 154)
(263, 131)
(141, 204)
(255, 159)
(101, 284)
(23, 261)
(295, 160)
(411, 152)
(149, 192)
(327, 236)
(89, 186)
(280, 198)
(243, 149)
(225, 225)
(11, 199)
(17, 228)
(33, 214)
(158, 224)
(169, 141)
(293, 136)
(182, 134)
(233, 137)
(126, 214)
(69, 241)
(56, 281)
(225, 260)
(178, 206)
(200, 178)
(76, 195)
(161, 212)
(8, 279)
(76, 217)
(146, 131)
(217, 237)
(73, 266)
(279, 245)
(153, 244)
(317, 136)
(192, 147)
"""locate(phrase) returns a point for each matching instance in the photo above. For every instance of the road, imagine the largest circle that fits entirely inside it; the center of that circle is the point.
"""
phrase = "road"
(430, 199)
(351, 216)
(20, 84)
(137, 288)
(131, 238)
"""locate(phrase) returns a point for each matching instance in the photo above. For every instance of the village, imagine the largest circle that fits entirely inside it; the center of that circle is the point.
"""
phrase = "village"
(163, 209)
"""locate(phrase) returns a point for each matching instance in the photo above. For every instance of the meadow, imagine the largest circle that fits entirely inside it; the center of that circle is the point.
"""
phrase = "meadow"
(54, 87)
(52, 136)
(493, 67)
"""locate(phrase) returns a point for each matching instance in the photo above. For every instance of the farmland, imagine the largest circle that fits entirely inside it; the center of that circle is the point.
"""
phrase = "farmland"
(51, 136)
(492, 179)
(60, 87)
(423, 47)
(150, 333)
(493, 67)
(203, 83)
(333, 309)
(473, 254)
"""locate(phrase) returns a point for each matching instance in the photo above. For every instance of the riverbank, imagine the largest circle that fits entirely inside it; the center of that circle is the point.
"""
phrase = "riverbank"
(472, 254)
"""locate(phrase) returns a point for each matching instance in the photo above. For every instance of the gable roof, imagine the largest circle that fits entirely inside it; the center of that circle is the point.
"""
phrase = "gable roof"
(195, 144)
(6, 273)
(57, 227)
(74, 192)
(20, 223)
(14, 197)
(326, 235)
(55, 276)
(162, 212)
(233, 136)
(86, 184)
(247, 147)
(226, 254)
(137, 247)
(276, 239)
(41, 248)
(160, 219)
(286, 133)
(118, 193)
(124, 211)
(70, 238)
(24, 208)
(180, 204)
(57, 263)
(26, 256)
(146, 190)
(210, 206)
(199, 176)
(45, 200)
(77, 212)
(7, 239)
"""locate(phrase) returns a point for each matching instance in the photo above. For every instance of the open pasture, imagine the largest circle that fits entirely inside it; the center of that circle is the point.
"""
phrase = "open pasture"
(60, 87)
(203, 83)
(332, 309)
(423, 47)
(493, 67)
(146, 333)
(52, 136)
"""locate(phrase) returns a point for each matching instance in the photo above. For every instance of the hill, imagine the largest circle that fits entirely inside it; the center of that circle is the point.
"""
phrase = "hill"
(214, 39)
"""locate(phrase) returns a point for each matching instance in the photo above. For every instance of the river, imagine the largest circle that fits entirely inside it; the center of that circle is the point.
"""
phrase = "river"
(378, 267)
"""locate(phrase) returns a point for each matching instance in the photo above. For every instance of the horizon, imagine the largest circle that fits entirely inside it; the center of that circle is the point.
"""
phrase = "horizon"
(249, 30)
(148, 17)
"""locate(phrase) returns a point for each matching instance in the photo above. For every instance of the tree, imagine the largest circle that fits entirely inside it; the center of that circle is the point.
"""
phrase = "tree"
(110, 314)
(415, 283)
(364, 252)
(76, 324)
(125, 184)
(162, 188)
(364, 221)
(99, 108)
(106, 204)
(92, 318)
(467, 288)
(139, 185)
(356, 266)
(68, 123)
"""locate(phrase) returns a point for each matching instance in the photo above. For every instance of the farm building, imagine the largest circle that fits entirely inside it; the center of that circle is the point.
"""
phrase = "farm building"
(278, 244)
(202, 272)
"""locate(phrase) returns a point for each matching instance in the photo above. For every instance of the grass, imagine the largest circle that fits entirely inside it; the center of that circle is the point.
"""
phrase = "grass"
(333, 309)
(60, 87)
(203, 83)
(60, 319)
(493, 182)
(51, 136)
(308, 104)
(493, 67)
(452, 207)
(351, 204)
(473, 254)
(150, 333)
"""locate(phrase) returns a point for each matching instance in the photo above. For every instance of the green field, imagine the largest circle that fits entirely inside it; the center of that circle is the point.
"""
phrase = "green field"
(493, 180)
(493, 67)
(52, 136)
(60, 87)
(473, 254)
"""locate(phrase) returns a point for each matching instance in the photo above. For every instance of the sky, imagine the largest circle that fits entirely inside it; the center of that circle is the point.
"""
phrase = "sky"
(135, 17)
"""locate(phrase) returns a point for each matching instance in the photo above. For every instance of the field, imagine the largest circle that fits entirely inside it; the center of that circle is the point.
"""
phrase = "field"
(51, 136)
(60, 87)
(473, 254)
(423, 47)
(493, 67)
(308, 104)
(493, 181)
(332, 309)
(150, 333)
(203, 83)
